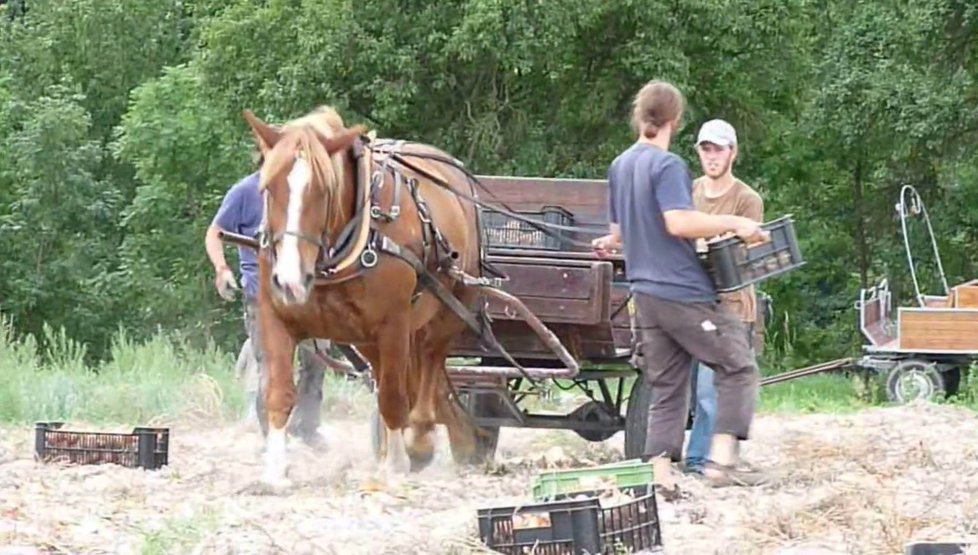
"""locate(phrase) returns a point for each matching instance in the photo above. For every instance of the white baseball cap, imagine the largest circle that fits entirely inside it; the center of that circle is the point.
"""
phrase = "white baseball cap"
(718, 132)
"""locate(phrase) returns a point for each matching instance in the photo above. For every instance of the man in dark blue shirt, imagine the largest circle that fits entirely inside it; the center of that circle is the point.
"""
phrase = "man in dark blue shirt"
(679, 317)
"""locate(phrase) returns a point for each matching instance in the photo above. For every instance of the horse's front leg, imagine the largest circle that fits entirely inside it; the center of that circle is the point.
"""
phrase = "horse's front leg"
(279, 397)
(394, 353)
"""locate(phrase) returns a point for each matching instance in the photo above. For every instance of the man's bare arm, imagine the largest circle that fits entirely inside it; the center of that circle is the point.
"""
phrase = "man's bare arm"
(692, 224)
(215, 248)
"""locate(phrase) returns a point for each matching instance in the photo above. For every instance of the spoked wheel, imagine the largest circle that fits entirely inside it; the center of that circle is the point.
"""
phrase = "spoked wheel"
(486, 438)
(914, 380)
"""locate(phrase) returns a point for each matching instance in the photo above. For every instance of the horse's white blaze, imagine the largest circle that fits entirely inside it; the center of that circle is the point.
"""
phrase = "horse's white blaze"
(275, 457)
(289, 265)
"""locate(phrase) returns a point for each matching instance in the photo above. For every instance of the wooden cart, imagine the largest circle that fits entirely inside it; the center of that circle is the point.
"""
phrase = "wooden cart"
(584, 300)
(921, 350)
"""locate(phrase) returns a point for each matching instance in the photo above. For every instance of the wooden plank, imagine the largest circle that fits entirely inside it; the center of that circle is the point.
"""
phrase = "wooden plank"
(582, 342)
(965, 296)
(551, 310)
(574, 292)
(499, 252)
(550, 281)
(938, 329)
(936, 301)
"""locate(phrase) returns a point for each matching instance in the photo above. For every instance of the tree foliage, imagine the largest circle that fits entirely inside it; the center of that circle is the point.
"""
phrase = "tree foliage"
(120, 129)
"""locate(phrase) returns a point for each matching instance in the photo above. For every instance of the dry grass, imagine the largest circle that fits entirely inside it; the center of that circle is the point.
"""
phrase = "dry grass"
(862, 483)
(866, 483)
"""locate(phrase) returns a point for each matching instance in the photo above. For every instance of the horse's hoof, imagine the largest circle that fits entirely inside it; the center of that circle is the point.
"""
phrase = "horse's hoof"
(276, 483)
(315, 441)
(420, 461)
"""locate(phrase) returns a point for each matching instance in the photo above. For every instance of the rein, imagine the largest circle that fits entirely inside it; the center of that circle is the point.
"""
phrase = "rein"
(505, 209)
(369, 239)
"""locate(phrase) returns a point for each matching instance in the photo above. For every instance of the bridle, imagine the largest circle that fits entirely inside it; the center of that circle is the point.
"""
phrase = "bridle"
(332, 257)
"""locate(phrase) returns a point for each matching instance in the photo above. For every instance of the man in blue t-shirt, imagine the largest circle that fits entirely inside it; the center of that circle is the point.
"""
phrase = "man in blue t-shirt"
(241, 213)
(653, 220)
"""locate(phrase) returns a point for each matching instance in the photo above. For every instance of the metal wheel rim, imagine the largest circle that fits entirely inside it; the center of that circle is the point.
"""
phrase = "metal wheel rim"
(914, 380)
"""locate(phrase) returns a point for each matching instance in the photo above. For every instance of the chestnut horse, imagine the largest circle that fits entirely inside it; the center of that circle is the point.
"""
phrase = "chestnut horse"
(356, 248)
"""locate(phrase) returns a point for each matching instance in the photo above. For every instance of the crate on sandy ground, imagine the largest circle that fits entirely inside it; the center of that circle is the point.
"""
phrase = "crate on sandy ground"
(621, 475)
(143, 448)
(620, 513)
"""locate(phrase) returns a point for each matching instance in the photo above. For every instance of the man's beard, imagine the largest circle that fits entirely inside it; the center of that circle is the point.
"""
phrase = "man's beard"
(722, 170)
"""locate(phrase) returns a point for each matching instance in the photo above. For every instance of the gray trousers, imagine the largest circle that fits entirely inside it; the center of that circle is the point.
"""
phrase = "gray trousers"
(306, 416)
(672, 335)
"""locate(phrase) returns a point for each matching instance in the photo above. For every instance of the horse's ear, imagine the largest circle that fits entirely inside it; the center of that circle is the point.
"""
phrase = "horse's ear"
(343, 140)
(266, 135)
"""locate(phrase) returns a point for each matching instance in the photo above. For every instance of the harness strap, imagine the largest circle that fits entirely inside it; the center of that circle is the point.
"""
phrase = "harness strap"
(378, 183)
(430, 282)
(481, 326)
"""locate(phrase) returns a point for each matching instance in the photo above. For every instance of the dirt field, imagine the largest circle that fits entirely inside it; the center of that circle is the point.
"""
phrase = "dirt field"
(863, 483)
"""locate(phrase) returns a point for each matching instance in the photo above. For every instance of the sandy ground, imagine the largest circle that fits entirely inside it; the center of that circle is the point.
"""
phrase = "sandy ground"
(865, 483)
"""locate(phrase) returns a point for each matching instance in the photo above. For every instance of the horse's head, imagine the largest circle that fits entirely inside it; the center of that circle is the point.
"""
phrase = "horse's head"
(302, 180)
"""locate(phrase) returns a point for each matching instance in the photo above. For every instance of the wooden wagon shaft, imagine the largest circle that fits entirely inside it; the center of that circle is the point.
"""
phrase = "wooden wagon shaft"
(549, 338)
(508, 372)
(238, 239)
(807, 371)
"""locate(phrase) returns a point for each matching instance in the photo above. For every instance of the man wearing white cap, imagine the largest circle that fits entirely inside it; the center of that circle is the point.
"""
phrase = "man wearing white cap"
(719, 192)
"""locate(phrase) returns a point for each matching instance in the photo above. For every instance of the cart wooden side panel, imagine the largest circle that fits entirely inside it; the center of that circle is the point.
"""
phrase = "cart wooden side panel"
(579, 297)
(938, 329)
(965, 295)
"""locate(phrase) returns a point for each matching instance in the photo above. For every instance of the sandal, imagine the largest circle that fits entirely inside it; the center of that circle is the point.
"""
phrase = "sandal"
(734, 475)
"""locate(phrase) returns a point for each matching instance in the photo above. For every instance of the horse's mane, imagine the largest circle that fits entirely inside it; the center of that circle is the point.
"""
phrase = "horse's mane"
(303, 134)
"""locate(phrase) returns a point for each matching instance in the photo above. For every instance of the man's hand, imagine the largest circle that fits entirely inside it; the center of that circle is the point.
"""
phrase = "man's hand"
(225, 283)
(750, 231)
(605, 246)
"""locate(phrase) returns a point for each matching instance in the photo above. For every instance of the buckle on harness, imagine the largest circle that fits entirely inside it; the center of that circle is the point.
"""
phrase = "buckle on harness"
(368, 258)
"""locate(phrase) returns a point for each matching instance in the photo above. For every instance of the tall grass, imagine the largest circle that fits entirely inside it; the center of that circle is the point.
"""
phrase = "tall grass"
(157, 380)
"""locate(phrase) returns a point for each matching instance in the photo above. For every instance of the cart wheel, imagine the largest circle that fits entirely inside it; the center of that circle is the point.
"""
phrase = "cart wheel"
(637, 418)
(913, 380)
(487, 438)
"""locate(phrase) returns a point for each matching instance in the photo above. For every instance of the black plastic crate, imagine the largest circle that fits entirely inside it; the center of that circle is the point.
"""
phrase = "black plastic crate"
(734, 265)
(633, 524)
(946, 548)
(570, 525)
(144, 448)
(503, 231)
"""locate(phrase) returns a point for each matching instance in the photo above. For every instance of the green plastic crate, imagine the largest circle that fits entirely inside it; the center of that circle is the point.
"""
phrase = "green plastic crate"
(624, 474)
